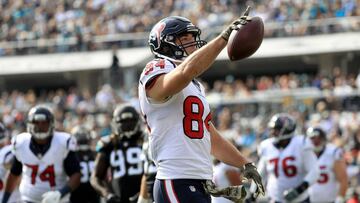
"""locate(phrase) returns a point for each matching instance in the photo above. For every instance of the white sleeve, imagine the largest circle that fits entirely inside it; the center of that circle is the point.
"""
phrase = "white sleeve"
(71, 144)
(154, 68)
(14, 146)
(8, 156)
(311, 166)
(261, 165)
(262, 168)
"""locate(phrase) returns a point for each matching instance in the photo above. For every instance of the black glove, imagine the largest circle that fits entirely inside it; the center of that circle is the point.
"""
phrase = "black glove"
(250, 172)
(243, 20)
(290, 195)
(112, 198)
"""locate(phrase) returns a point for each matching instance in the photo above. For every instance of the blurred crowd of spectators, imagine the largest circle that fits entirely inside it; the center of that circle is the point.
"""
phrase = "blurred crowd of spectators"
(94, 110)
(75, 104)
(81, 20)
(338, 84)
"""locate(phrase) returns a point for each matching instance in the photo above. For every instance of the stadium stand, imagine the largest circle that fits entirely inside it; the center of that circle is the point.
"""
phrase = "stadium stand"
(316, 78)
(30, 27)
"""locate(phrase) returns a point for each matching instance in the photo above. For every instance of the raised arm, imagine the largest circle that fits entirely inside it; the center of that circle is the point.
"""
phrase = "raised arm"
(197, 62)
(193, 66)
(341, 177)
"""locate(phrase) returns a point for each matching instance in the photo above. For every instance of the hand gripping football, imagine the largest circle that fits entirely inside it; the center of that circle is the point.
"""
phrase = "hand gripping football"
(244, 41)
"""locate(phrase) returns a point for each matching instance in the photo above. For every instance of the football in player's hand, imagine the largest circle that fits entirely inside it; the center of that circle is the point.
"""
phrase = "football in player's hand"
(246, 40)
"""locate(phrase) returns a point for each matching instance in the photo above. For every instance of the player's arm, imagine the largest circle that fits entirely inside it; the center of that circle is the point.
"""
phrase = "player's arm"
(72, 169)
(13, 179)
(341, 177)
(311, 166)
(194, 65)
(226, 152)
(143, 196)
(98, 177)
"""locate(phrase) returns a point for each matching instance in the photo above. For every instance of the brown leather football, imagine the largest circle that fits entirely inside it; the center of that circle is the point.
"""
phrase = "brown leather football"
(246, 40)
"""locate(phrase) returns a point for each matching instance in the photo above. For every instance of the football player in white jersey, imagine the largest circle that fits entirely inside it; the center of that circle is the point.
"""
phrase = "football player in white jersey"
(287, 162)
(182, 137)
(333, 181)
(5, 162)
(45, 162)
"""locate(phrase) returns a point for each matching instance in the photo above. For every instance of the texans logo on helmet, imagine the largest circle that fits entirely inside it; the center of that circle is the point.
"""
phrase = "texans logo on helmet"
(157, 30)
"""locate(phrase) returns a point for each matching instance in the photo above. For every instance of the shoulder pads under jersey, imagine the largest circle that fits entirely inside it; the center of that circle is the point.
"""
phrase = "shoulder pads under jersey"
(102, 143)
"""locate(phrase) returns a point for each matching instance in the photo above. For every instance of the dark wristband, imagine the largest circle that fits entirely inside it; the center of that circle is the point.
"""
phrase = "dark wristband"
(65, 190)
(301, 188)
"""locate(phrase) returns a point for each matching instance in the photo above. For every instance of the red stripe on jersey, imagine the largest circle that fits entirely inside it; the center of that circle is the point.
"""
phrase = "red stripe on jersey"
(152, 81)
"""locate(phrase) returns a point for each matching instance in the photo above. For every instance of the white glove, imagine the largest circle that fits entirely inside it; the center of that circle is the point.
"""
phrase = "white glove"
(51, 197)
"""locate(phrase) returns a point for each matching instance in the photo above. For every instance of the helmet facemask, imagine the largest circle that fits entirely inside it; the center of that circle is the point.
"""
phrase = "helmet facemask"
(83, 138)
(318, 143)
(126, 122)
(126, 128)
(40, 129)
(179, 50)
(318, 138)
(40, 122)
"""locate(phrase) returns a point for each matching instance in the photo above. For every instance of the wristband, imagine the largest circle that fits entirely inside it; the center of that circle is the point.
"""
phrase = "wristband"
(301, 188)
(63, 191)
